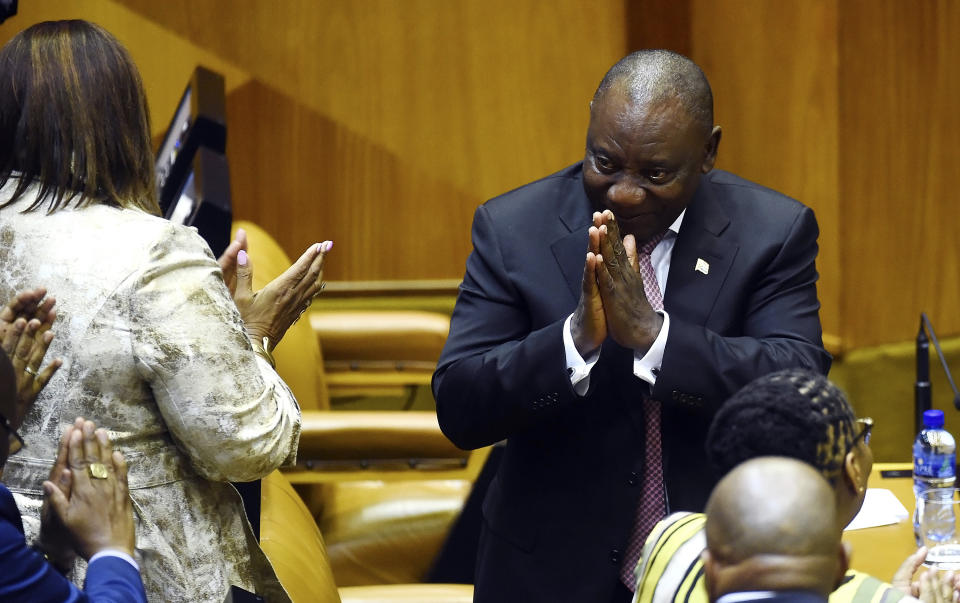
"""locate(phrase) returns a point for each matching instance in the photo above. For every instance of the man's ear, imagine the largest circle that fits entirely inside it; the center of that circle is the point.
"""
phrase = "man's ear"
(853, 473)
(710, 157)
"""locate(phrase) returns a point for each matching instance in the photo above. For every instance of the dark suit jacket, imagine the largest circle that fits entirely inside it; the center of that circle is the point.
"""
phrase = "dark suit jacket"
(559, 512)
(27, 576)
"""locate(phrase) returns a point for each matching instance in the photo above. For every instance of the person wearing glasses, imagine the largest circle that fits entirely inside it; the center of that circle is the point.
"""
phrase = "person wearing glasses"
(88, 510)
(792, 413)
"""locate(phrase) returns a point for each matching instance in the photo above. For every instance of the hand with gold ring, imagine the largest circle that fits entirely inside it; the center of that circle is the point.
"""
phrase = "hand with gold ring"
(98, 471)
(25, 336)
(88, 494)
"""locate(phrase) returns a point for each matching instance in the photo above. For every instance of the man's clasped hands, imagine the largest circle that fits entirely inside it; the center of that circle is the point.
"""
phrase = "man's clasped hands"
(612, 299)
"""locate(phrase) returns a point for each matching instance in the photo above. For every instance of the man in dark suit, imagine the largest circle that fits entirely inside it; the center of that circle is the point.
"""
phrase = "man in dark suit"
(606, 313)
(773, 535)
(90, 509)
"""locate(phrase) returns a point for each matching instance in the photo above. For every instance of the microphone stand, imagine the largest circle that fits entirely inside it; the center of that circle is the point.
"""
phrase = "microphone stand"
(922, 398)
(922, 395)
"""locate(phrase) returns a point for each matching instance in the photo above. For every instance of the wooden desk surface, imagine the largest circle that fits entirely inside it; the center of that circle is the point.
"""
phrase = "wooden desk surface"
(880, 551)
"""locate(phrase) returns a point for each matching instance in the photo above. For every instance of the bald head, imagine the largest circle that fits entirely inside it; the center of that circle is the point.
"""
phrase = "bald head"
(771, 525)
(771, 505)
(652, 77)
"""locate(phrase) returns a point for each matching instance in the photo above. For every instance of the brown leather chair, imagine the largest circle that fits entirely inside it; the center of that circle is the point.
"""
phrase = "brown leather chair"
(383, 486)
(295, 547)
(379, 352)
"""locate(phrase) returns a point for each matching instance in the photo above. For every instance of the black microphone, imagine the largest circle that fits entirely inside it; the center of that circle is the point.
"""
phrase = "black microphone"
(925, 324)
(922, 399)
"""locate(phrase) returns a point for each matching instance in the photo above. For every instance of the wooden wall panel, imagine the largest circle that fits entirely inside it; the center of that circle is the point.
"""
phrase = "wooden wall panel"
(420, 110)
(383, 123)
(658, 24)
(289, 162)
(165, 59)
(898, 130)
(773, 69)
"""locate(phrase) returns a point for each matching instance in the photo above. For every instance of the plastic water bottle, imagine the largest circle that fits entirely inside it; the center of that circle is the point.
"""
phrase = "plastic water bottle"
(934, 462)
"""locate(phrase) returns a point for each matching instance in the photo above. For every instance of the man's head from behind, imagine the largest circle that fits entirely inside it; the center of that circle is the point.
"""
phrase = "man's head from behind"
(801, 415)
(651, 136)
(771, 526)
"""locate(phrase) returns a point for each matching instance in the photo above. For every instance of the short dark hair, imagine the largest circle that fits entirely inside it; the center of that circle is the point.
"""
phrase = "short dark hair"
(794, 413)
(74, 119)
(655, 75)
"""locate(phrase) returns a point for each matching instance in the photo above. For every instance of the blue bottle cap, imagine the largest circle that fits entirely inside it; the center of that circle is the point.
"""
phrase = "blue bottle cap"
(933, 418)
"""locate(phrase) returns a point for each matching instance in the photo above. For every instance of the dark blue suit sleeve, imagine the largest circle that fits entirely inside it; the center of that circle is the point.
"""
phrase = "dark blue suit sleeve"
(26, 575)
(113, 580)
(496, 372)
(28, 578)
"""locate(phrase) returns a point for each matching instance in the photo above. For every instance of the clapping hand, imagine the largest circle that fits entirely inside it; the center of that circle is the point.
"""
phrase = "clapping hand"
(25, 336)
(270, 311)
(87, 503)
(228, 260)
(938, 587)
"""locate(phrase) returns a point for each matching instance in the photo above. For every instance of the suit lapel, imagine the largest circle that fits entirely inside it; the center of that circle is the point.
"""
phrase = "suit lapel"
(570, 248)
(691, 293)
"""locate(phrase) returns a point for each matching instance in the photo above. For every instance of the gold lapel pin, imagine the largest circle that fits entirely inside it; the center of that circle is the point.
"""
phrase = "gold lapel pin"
(702, 266)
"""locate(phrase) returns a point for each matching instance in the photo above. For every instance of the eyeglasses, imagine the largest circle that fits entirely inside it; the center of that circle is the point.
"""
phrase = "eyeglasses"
(16, 440)
(866, 427)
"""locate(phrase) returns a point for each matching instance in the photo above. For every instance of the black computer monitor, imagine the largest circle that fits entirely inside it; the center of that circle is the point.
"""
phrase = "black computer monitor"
(203, 200)
(193, 180)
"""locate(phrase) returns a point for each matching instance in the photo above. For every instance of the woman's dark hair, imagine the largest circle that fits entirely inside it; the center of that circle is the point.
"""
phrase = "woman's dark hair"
(793, 413)
(74, 119)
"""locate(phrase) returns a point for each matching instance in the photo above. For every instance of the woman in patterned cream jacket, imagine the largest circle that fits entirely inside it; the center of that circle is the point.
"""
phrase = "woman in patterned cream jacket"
(153, 346)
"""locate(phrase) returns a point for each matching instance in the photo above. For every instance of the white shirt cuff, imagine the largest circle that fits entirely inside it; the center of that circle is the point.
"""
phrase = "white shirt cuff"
(114, 553)
(647, 367)
(578, 367)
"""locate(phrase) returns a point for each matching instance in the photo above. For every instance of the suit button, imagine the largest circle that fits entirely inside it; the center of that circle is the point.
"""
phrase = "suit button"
(615, 556)
(634, 478)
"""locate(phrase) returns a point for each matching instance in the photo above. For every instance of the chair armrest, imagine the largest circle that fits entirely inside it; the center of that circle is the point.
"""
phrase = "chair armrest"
(359, 435)
(378, 335)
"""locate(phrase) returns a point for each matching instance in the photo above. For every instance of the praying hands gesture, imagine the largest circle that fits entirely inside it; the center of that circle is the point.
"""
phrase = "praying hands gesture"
(612, 298)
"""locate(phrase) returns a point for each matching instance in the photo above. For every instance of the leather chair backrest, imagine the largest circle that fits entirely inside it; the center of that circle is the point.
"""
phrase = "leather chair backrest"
(291, 540)
(298, 356)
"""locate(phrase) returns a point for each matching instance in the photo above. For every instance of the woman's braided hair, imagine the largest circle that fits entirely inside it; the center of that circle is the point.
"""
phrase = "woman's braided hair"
(793, 413)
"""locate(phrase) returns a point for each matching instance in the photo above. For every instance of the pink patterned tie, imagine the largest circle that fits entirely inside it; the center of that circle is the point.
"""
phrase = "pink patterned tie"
(651, 507)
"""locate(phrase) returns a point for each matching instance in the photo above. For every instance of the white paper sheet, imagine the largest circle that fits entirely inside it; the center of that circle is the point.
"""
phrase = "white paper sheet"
(880, 508)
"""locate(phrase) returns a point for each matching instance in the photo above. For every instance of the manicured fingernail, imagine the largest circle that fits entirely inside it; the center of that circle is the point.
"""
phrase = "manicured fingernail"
(242, 258)
(240, 233)
(327, 245)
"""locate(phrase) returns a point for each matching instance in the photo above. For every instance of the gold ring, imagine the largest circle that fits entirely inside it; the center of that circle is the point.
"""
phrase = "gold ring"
(97, 470)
